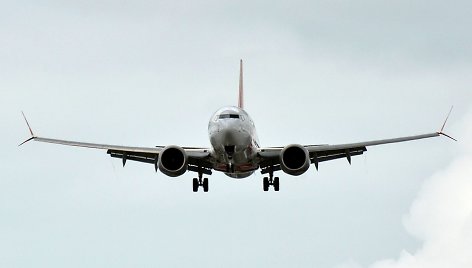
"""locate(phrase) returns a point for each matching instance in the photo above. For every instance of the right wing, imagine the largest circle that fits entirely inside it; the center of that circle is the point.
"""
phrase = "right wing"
(199, 159)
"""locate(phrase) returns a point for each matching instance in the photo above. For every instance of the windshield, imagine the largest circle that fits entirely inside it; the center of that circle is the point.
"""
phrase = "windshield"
(223, 116)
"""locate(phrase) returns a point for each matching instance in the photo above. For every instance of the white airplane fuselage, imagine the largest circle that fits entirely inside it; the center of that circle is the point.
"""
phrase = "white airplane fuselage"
(234, 142)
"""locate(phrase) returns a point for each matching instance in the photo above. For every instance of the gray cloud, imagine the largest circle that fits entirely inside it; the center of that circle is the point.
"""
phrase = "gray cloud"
(440, 216)
(149, 73)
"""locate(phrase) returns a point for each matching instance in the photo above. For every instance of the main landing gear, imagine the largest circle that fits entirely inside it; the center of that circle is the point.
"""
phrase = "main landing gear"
(268, 181)
(200, 182)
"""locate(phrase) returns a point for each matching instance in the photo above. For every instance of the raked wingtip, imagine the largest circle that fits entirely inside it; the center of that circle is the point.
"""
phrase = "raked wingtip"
(27, 123)
(30, 130)
(441, 132)
(445, 135)
(32, 138)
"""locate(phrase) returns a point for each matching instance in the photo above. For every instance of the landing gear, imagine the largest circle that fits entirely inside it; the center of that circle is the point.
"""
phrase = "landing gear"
(195, 185)
(265, 184)
(276, 184)
(268, 181)
(205, 185)
(200, 182)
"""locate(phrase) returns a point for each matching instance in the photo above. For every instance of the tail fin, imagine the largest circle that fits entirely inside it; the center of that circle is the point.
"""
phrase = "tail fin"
(241, 91)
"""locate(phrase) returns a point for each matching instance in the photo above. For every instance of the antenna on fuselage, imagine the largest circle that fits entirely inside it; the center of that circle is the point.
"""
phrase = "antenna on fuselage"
(241, 91)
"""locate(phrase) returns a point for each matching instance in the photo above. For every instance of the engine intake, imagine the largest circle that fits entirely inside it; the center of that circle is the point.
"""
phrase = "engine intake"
(173, 161)
(294, 159)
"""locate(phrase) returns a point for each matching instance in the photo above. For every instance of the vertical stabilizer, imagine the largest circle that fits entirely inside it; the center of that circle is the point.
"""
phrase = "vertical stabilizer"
(241, 91)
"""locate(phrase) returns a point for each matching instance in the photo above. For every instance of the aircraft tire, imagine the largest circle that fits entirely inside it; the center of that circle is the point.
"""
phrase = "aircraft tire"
(276, 184)
(195, 185)
(205, 184)
(265, 184)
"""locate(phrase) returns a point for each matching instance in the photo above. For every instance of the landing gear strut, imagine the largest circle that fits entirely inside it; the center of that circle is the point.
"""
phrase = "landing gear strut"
(268, 181)
(200, 182)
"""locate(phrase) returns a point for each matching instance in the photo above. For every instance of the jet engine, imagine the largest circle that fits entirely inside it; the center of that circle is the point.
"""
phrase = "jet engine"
(294, 159)
(173, 161)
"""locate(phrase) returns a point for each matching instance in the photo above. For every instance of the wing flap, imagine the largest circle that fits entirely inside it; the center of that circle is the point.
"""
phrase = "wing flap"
(336, 154)
(196, 164)
(133, 156)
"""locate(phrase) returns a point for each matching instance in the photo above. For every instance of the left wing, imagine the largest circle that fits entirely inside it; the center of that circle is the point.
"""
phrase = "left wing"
(320, 153)
(269, 158)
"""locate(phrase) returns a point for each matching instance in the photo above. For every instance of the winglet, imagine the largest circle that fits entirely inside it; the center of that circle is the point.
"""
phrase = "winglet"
(241, 91)
(30, 130)
(440, 132)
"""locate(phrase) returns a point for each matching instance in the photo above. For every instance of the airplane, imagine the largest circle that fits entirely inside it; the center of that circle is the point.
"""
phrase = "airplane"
(235, 150)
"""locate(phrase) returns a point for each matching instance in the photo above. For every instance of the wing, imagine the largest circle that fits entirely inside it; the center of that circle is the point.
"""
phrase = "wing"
(270, 157)
(199, 159)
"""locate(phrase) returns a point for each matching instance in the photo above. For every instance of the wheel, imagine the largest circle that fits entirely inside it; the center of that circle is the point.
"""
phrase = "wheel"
(195, 185)
(265, 184)
(276, 184)
(205, 184)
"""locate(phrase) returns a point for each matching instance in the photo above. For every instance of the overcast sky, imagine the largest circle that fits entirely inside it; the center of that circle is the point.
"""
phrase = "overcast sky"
(153, 72)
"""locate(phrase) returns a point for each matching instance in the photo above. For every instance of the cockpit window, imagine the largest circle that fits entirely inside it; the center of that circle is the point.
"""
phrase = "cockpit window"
(224, 116)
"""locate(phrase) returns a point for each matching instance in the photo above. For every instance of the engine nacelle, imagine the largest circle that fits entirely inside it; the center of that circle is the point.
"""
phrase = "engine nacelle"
(294, 159)
(173, 161)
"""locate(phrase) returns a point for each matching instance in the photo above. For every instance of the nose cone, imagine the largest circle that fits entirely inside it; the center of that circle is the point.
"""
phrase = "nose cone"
(230, 135)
